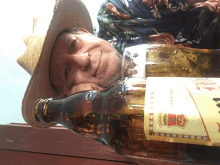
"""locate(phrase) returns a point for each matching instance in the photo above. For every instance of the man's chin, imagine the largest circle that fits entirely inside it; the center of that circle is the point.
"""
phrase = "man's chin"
(112, 71)
(110, 81)
(84, 87)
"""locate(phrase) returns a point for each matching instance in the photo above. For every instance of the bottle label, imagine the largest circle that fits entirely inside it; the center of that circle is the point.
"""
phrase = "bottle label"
(183, 110)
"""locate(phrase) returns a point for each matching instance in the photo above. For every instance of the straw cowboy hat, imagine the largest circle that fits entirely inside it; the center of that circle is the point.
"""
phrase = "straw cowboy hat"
(67, 14)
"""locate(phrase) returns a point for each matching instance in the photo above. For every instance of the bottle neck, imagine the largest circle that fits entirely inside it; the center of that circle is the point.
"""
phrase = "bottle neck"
(48, 110)
(111, 102)
(74, 106)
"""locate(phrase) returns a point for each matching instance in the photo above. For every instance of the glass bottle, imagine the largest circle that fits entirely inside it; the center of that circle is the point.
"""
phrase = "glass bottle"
(170, 61)
(136, 120)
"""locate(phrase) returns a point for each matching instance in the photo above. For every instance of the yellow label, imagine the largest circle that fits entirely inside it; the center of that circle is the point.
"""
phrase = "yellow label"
(183, 110)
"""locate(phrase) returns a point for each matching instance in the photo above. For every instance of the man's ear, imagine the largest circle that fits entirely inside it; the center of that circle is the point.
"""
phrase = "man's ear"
(84, 30)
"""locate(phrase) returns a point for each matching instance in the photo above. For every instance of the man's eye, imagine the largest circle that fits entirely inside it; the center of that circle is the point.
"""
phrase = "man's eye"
(74, 43)
(66, 73)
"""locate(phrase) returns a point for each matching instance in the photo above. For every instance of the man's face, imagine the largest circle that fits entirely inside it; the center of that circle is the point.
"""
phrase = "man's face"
(82, 62)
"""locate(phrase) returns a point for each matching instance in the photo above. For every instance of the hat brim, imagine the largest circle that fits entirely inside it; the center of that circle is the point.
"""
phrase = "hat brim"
(67, 14)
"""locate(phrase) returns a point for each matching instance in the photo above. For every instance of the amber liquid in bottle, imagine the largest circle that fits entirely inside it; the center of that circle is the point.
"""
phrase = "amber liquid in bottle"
(171, 61)
(174, 61)
(115, 116)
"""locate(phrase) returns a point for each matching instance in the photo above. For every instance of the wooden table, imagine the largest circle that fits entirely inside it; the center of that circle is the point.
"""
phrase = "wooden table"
(20, 144)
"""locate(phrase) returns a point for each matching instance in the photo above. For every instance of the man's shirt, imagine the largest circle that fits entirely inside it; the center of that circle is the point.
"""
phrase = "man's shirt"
(130, 22)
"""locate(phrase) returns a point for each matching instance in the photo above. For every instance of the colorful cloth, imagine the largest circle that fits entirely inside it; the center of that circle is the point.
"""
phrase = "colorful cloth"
(130, 22)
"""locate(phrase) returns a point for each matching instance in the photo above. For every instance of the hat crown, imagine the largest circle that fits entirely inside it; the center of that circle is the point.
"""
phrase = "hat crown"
(30, 58)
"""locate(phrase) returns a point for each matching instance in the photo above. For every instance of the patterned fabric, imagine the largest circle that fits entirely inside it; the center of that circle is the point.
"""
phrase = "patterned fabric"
(212, 5)
(130, 22)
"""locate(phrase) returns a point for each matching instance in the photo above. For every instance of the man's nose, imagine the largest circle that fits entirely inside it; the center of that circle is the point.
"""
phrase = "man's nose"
(82, 60)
